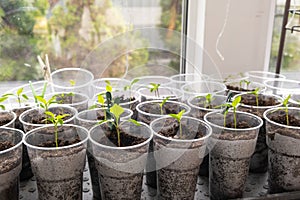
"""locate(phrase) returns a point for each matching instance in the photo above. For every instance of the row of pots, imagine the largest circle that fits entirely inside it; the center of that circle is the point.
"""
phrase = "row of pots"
(174, 152)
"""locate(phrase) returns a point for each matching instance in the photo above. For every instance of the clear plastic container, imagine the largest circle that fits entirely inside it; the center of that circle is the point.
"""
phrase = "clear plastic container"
(72, 80)
(261, 76)
(120, 168)
(161, 93)
(178, 160)
(10, 162)
(179, 80)
(58, 170)
(202, 88)
(282, 87)
(10, 117)
(230, 153)
(118, 84)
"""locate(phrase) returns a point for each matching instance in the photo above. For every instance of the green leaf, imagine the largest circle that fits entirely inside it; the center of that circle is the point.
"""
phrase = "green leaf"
(7, 95)
(178, 116)
(19, 91)
(3, 98)
(72, 82)
(25, 96)
(116, 110)
(236, 101)
(286, 100)
(41, 99)
(134, 81)
(108, 88)
(2, 107)
(60, 121)
(102, 121)
(134, 122)
(100, 99)
(164, 101)
(50, 114)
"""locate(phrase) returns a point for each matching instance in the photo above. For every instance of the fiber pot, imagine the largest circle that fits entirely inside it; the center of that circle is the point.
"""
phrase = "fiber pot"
(149, 111)
(120, 169)
(230, 152)
(259, 159)
(58, 170)
(10, 162)
(88, 119)
(284, 149)
(178, 158)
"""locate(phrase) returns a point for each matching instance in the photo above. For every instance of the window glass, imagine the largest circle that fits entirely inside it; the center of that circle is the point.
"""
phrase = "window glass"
(291, 54)
(111, 38)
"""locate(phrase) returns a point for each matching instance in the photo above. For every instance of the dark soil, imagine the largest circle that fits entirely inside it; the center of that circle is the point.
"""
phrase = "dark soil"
(250, 99)
(61, 143)
(5, 118)
(236, 88)
(5, 145)
(154, 108)
(171, 129)
(126, 138)
(281, 119)
(239, 125)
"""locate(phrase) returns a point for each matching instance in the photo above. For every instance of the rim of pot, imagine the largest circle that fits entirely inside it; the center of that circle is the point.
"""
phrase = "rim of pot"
(176, 78)
(217, 77)
(222, 85)
(86, 98)
(13, 90)
(16, 145)
(29, 133)
(266, 82)
(72, 87)
(187, 111)
(178, 140)
(202, 108)
(262, 107)
(234, 129)
(121, 148)
(278, 124)
(178, 94)
(94, 82)
(259, 85)
(260, 75)
(135, 95)
(79, 114)
(38, 108)
(13, 119)
(292, 100)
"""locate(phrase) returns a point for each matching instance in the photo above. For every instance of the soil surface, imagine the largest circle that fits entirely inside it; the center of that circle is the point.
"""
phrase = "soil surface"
(171, 129)
(281, 119)
(61, 143)
(236, 88)
(112, 137)
(250, 99)
(5, 145)
(5, 118)
(154, 108)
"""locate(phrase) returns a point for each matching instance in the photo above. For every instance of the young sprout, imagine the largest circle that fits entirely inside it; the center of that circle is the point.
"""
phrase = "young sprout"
(129, 87)
(72, 82)
(162, 104)
(34, 93)
(20, 97)
(208, 99)
(232, 105)
(2, 99)
(116, 112)
(44, 103)
(154, 88)
(256, 93)
(246, 82)
(285, 105)
(178, 118)
(55, 120)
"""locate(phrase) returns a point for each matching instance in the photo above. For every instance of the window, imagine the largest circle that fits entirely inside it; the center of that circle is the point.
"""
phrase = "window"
(94, 34)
